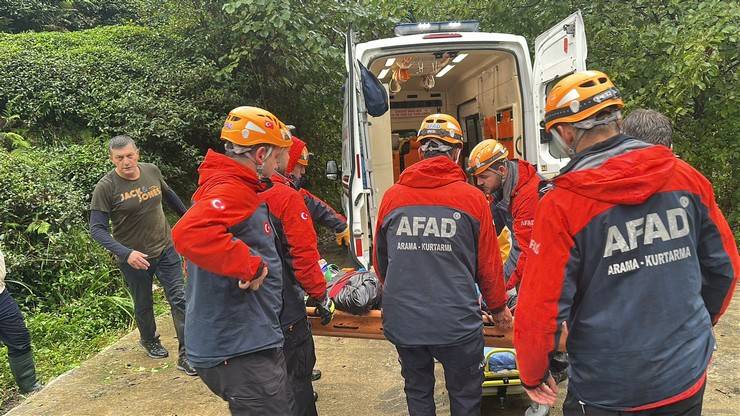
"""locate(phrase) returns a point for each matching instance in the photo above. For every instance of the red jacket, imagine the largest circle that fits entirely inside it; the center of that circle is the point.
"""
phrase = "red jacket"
(227, 235)
(296, 235)
(629, 249)
(433, 242)
(225, 197)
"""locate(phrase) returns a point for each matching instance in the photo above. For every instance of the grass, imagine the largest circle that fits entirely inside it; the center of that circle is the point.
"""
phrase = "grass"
(64, 338)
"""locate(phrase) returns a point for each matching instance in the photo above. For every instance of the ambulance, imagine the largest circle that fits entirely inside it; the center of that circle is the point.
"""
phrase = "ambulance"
(486, 80)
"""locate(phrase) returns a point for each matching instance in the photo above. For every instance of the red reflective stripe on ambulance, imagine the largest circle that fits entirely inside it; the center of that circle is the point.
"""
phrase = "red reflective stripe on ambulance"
(442, 36)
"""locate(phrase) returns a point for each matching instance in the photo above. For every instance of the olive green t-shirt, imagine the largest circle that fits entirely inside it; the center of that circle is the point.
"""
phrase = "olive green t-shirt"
(135, 209)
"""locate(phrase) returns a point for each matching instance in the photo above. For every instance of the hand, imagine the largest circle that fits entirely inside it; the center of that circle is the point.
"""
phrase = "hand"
(256, 282)
(546, 393)
(137, 260)
(343, 237)
(326, 309)
(503, 319)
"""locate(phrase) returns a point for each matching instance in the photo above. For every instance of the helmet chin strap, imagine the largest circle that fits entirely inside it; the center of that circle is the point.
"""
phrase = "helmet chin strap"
(569, 150)
(260, 167)
(583, 126)
(579, 136)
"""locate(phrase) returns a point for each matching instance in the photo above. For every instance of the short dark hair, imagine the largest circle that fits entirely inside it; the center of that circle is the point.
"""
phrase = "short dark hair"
(649, 126)
(120, 141)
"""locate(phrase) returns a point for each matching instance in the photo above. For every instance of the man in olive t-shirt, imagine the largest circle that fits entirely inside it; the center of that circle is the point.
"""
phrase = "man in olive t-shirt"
(130, 198)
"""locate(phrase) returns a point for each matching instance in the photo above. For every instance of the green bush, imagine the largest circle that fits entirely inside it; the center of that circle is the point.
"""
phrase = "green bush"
(61, 15)
(69, 287)
(73, 87)
(43, 226)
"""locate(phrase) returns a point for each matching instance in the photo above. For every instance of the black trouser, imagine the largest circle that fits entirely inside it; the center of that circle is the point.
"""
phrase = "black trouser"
(463, 370)
(13, 331)
(168, 269)
(300, 357)
(254, 384)
(687, 407)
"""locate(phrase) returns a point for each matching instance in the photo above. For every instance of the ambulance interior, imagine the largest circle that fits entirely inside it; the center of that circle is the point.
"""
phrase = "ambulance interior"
(478, 87)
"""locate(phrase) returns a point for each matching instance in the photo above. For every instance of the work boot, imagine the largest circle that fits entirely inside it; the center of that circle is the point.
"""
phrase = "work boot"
(315, 374)
(184, 365)
(24, 371)
(154, 349)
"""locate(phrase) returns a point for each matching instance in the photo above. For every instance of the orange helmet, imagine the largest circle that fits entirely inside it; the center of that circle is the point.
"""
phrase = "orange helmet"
(250, 126)
(580, 96)
(443, 127)
(485, 154)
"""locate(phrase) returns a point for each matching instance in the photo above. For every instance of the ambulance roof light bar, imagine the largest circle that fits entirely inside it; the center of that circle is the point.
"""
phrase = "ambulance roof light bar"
(405, 29)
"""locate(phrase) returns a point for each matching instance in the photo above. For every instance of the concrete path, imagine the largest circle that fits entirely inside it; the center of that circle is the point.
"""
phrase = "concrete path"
(360, 377)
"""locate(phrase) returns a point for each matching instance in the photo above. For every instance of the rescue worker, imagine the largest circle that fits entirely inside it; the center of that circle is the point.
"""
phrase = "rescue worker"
(630, 249)
(650, 126)
(513, 184)
(321, 212)
(297, 245)
(234, 289)
(432, 243)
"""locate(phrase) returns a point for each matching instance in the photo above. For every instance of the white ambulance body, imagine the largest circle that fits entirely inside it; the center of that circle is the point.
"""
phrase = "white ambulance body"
(485, 80)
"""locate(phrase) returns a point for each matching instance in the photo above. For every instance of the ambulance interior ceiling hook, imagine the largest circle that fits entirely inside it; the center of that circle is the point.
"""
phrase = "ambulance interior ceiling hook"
(400, 73)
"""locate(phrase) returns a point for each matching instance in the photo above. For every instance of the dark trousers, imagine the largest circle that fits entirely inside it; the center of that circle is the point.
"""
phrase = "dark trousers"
(300, 357)
(254, 384)
(168, 269)
(13, 331)
(463, 371)
(688, 407)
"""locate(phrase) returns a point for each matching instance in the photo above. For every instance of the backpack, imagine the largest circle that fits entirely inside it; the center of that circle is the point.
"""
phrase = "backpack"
(376, 98)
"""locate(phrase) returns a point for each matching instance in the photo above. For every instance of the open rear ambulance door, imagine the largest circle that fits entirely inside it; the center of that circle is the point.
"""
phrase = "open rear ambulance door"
(355, 179)
(558, 52)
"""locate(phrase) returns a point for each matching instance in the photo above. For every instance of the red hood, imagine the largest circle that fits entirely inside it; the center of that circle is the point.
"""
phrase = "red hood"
(526, 172)
(294, 153)
(627, 179)
(218, 169)
(432, 173)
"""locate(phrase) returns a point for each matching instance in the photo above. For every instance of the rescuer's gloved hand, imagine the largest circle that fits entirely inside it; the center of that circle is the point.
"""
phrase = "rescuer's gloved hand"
(343, 237)
(325, 308)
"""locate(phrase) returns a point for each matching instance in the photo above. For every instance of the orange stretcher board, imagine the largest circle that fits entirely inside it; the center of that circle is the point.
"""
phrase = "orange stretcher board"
(370, 326)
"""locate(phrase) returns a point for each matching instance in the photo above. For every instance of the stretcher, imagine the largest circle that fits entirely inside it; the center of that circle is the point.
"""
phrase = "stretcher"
(370, 326)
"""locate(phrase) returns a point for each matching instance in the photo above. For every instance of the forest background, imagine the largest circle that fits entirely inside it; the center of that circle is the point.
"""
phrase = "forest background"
(75, 72)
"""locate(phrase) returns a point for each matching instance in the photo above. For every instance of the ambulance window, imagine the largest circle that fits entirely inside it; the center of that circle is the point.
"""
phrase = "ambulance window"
(472, 133)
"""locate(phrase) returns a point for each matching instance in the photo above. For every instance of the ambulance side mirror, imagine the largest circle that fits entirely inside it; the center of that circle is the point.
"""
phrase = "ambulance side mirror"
(332, 171)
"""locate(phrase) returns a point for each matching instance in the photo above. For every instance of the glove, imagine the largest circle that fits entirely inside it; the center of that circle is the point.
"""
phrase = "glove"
(343, 237)
(326, 309)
